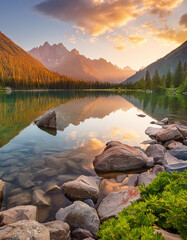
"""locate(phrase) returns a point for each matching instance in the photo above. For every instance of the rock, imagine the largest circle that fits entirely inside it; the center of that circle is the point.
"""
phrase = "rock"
(58, 230)
(119, 157)
(169, 159)
(46, 173)
(152, 131)
(48, 120)
(167, 143)
(174, 145)
(2, 184)
(179, 167)
(24, 180)
(185, 142)
(156, 151)
(179, 152)
(82, 188)
(182, 129)
(141, 115)
(157, 168)
(150, 162)
(115, 202)
(131, 180)
(152, 122)
(80, 215)
(40, 200)
(171, 133)
(120, 178)
(168, 126)
(19, 213)
(20, 199)
(165, 121)
(53, 189)
(152, 141)
(80, 234)
(167, 235)
(24, 230)
(89, 202)
(146, 178)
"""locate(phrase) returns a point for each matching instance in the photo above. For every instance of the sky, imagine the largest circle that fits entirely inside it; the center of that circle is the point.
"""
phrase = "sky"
(131, 33)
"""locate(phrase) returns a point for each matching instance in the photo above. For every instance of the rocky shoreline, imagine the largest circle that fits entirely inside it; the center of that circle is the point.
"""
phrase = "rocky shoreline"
(96, 199)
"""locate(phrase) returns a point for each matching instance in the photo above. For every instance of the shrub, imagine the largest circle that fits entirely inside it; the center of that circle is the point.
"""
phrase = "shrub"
(163, 203)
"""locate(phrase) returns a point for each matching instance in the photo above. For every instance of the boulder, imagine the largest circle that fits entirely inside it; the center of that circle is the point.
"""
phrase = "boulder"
(185, 142)
(58, 230)
(146, 178)
(150, 162)
(165, 120)
(141, 115)
(169, 159)
(131, 180)
(80, 215)
(170, 133)
(40, 200)
(53, 189)
(24, 230)
(119, 157)
(168, 235)
(179, 167)
(120, 178)
(182, 129)
(19, 213)
(115, 202)
(152, 131)
(174, 145)
(156, 151)
(48, 120)
(179, 152)
(152, 141)
(80, 234)
(82, 188)
(157, 168)
(2, 184)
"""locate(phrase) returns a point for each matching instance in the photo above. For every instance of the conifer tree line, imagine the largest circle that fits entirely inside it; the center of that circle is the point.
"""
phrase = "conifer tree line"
(176, 80)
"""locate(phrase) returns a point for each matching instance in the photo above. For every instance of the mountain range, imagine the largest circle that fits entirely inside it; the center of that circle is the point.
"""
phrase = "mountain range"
(71, 63)
(168, 62)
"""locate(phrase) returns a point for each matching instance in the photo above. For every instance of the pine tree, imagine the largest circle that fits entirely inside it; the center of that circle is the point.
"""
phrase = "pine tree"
(178, 76)
(148, 80)
(156, 80)
(168, 79)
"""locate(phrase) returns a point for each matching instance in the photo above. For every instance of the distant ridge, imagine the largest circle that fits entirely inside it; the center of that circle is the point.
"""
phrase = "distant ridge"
(57, 58)
(169, 62)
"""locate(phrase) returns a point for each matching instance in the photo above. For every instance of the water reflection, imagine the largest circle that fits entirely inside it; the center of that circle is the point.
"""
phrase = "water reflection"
(86, 121)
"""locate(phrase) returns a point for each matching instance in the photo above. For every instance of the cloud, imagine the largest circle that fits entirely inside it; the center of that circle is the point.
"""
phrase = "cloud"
(72, 39)
(118, 41)
(136, 39)
(93, 16)
(183, 20)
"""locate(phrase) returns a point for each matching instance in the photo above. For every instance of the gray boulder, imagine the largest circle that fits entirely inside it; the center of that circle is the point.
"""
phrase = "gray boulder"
(120, 178)
(119, 157)
(19, 213)
(48, 120)
(152, 131)
(157, 168)
(156, 151)
(115, 202)
(82, 188)
(185, 142)
(146, 178)
(80, 234)
(58, 230)
(151, 141)
(169, 159)
(174, 144)
(179, 152)
(150, 162)
(179, 167)
(182, 129)
(170, 133)
(80, 215)
(24, 230)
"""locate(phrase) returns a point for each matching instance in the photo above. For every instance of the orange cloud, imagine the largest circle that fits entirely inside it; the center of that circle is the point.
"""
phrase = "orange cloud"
(118, 41)
(183, 20)
(136, 39)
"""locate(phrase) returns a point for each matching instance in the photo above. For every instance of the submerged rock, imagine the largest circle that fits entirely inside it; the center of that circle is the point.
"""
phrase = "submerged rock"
(58, 230)
(156, 151)
(40, 200)
(48, 120)
(82, 188)
(115, 202)
(79, 215)
(24, 230)
(20, 199)
(118, 157)
(19, 213)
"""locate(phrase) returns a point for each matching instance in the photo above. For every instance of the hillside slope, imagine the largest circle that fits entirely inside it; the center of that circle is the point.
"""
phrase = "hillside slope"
(169, 62)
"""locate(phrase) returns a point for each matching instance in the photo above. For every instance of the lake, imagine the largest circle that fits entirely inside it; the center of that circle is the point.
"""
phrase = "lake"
(86, 121)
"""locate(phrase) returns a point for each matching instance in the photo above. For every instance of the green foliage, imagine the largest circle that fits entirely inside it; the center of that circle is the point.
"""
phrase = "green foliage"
(164, 203)
(178, 76)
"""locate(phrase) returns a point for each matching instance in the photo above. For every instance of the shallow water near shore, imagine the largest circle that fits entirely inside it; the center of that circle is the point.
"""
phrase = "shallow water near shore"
(86, 122)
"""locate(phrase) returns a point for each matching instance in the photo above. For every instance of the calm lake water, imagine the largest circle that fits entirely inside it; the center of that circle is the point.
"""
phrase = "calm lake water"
(86, 122)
